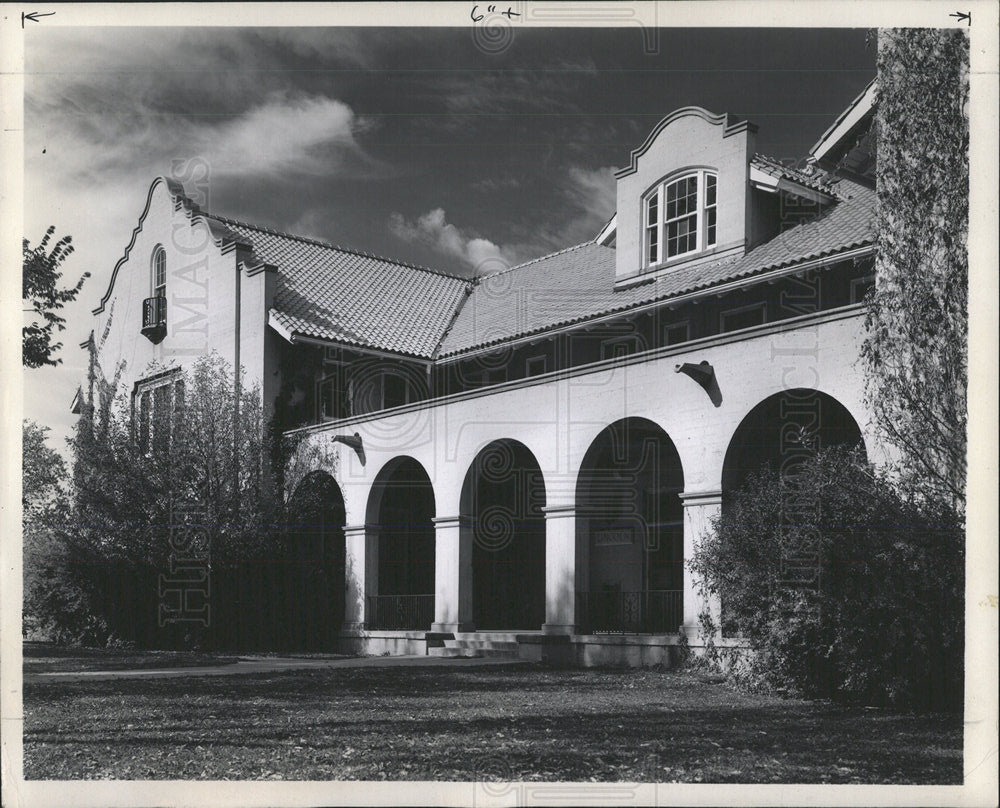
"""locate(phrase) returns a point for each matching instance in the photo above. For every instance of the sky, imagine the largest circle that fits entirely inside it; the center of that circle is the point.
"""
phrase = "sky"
(425, 145)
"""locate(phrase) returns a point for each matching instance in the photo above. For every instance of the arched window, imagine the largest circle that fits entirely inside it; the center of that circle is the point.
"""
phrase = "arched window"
(159, 272)
(680, 217)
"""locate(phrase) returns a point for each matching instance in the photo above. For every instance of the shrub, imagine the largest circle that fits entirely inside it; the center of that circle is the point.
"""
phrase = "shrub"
(842, 587)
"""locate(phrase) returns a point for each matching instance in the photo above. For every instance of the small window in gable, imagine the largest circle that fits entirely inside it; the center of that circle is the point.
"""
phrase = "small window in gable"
(680, 217)
(159, 272)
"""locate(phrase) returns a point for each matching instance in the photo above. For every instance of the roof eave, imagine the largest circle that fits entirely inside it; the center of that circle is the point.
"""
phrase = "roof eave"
(296, 337)
(853, 252)
(846, 124)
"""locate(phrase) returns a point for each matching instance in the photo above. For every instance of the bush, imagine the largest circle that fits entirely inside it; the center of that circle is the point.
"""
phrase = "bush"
(176, 502)
(841, 587)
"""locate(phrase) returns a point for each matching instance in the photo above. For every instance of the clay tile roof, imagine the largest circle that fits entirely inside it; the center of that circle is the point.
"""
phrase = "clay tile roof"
(329, 292)
(578, 283)
(808, 177)
(332, 293)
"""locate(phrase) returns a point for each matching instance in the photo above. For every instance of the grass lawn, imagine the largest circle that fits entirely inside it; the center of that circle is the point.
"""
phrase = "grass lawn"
(45, 658)
(471, 723)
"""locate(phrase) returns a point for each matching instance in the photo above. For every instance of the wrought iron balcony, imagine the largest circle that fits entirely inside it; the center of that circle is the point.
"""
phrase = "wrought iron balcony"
(399, 612)
(657, 611)
(154, 318)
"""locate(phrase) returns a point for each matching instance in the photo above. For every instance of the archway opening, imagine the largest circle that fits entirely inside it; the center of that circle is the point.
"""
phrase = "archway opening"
(630, 528)
(401, 509)
(502, 500)
(783, 430)
(776, 437)
(314, 568)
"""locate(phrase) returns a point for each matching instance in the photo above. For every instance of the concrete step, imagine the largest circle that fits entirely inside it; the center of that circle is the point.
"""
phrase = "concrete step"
(481, 644)
(492, 636)
(453, 652)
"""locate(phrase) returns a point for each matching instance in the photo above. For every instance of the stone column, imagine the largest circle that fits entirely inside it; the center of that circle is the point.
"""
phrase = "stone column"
(361, 571)
(452, 574)
(561, 573)
(700, 507)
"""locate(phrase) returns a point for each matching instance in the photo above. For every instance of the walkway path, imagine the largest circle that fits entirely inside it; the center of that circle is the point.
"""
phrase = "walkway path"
(260, 664)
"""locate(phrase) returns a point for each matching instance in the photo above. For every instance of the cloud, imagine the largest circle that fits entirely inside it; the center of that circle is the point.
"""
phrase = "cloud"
(517, 89)
(433, 230)
(302, 135)
(584, 197)
(593, 190)
(495, 184)
(285, 134)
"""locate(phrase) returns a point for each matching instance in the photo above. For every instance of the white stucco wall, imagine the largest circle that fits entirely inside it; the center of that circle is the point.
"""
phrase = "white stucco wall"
(201, 290)
(558, 419)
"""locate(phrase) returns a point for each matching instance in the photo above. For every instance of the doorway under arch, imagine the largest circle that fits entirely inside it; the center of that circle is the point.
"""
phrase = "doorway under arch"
(502, 500)
(630, 528)
(314, 554)
(401, 508)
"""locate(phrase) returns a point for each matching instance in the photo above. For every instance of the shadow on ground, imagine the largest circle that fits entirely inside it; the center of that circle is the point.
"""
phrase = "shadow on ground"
(506, 723)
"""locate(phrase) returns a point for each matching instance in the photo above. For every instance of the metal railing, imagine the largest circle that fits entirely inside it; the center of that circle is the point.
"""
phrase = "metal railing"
(154, 317)
(657, 611)
(399, 612)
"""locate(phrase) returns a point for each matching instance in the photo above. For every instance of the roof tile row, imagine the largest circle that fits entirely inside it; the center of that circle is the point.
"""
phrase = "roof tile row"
(330, 293)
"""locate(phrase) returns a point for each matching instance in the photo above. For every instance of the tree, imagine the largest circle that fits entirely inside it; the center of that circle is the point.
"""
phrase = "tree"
(172, 481)
(43, 472)
(44, 508)
(42, 298)
(183, 446)
(881, 620)
(917, 323)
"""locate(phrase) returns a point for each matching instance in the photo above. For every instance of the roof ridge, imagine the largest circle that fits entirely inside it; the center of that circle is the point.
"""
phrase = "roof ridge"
(541, 258)
(459, 305)
(317, 242)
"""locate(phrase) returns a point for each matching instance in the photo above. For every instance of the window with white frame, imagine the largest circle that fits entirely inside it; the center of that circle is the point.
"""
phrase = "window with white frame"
(159, 272)
(680, 217)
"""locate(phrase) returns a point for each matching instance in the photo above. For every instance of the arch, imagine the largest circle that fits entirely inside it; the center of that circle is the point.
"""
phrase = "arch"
(502, 501)
(314, 560)
(630, 535)
(769, 435)
(401, 511)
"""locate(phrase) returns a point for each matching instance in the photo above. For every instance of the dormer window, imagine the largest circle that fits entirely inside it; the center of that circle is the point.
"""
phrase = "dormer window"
(680, 217)
(159, 272)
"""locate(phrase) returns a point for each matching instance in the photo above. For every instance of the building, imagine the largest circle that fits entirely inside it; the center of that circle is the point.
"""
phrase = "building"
(532, 455)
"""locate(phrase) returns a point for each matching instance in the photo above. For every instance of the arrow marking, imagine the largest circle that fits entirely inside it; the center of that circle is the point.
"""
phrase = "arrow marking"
(33, 16)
